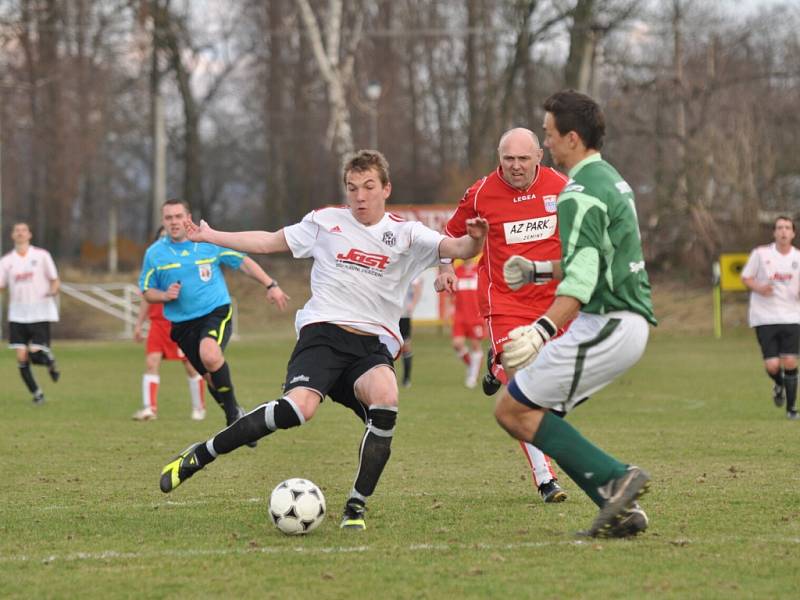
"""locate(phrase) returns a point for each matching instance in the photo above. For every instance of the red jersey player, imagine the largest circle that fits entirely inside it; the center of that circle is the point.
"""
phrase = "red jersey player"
(468, 324)
(159, 345)
(518, 199)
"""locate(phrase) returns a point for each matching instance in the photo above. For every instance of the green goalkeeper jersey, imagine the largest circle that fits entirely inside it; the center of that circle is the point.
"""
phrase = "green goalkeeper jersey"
(602, 261)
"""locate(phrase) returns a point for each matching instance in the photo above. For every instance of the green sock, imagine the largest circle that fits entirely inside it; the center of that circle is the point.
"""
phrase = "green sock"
(586, 464)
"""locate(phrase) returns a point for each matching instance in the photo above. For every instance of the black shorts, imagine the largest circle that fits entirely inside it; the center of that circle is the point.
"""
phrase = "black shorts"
(329, 360)
(20, 335)
(405, 328)
(218, 325)
(778, 340)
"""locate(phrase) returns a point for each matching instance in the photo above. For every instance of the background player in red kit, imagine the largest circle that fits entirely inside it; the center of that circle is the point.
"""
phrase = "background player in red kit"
(518, 199)
(468, 324)
(159, 346)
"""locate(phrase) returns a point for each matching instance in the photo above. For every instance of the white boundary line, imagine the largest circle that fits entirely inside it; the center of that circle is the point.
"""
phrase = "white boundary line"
(127, 556)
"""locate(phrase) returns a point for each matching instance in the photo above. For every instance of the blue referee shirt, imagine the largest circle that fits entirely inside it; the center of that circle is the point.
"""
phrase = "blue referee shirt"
(196, 266)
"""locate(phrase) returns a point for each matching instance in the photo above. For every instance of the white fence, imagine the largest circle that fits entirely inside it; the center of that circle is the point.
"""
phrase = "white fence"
(119, 300)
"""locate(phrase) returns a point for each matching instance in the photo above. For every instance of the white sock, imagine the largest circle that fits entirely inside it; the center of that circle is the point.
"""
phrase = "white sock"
(150, 385)
(197, 389)
(475, 362)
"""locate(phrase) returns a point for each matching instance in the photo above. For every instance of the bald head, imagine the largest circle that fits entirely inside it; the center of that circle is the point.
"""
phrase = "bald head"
(518, 135)
(520, 154)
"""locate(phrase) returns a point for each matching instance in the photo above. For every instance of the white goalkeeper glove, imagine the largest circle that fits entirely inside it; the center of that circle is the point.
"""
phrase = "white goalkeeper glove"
(519, 271)
(524, 343)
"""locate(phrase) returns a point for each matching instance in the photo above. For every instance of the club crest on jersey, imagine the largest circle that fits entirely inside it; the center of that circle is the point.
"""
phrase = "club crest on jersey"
(389, 239)
(365, 262)
(205, 272)
(550, 203)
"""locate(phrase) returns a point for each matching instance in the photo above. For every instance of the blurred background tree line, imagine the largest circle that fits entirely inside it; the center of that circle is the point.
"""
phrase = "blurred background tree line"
(245, 108)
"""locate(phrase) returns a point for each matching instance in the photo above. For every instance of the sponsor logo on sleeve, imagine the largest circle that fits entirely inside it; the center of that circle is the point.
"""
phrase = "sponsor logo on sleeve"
(635, 267)
(623, 187)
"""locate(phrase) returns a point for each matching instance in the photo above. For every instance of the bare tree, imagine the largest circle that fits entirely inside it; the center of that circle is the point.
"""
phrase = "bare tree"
(334, 53)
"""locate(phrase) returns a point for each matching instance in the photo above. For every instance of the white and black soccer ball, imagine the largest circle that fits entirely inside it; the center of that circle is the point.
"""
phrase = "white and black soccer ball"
(296, 506)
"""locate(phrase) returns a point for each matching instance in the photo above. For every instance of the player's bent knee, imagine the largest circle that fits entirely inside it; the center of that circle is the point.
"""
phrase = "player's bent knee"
(306, 400)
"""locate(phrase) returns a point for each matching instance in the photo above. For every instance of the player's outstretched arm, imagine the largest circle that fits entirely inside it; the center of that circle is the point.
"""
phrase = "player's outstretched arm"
(274, 292)
(253, 242)
(467, 245)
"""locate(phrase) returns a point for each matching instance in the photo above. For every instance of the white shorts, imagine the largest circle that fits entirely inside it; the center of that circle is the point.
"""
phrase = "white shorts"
(594, 350)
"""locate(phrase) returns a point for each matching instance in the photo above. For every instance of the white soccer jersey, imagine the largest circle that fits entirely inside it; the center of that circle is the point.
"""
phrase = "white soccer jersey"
(361, 273)
(28, 280)
(766, 264)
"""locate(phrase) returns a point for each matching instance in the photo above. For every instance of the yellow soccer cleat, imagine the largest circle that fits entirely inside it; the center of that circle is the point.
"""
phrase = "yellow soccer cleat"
(353, 516)
(180, 469)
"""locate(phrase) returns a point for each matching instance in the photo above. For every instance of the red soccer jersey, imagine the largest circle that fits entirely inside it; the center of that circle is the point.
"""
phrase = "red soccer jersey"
(465, 301)
(520, 222)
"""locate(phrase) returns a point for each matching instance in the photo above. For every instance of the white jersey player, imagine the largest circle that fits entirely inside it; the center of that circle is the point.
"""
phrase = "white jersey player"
(31, 277)
(772, 274)
(364, 261)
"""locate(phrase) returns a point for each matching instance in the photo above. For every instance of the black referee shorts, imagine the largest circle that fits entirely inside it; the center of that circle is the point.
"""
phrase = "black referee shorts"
(218, 325)
(20, 335)
(778, 340)
(329, 360)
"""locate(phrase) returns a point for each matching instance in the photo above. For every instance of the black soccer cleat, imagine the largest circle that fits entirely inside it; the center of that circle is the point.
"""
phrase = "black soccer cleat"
(53, 371)
(38, 398)
(630, 524)
(792, 415)
(353, 516)
(551, 492)
(620, 495)
(180, 469)
(778, 395)
(490, 383)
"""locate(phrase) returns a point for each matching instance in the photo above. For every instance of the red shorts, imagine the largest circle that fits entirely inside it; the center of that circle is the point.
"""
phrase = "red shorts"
(499, 328)
(159, 341)
(471, 329)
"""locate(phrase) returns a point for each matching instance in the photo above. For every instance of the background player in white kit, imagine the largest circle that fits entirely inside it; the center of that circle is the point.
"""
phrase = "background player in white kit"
(364, 261)
(31, 277)
(772, 273)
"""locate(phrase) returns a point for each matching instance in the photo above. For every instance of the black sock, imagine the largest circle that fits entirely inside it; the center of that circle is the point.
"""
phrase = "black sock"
(215, 394)
(777, 377)
(376, 447)
(221, 381)
(40, 357)
(27, 376)
(407, 366)
(790, 383)
(261, 421)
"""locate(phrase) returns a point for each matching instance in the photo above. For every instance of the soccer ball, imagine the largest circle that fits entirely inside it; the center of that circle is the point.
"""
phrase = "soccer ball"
(296, 506)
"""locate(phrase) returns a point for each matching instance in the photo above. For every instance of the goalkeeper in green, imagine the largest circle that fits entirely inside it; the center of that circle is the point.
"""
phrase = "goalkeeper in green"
(604, 287)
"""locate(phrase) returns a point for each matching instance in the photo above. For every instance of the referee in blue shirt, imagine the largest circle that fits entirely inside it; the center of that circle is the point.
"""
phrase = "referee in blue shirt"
(187, 278)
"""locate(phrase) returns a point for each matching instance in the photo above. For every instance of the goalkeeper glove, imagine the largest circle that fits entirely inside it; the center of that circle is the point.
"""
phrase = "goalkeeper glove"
(518, 271)
(525, 342)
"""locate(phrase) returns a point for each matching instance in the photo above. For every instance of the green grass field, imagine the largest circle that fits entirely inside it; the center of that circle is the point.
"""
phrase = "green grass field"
(455, 514)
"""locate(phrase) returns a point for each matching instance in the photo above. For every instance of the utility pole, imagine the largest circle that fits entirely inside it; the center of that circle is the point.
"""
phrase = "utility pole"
(158, 188)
